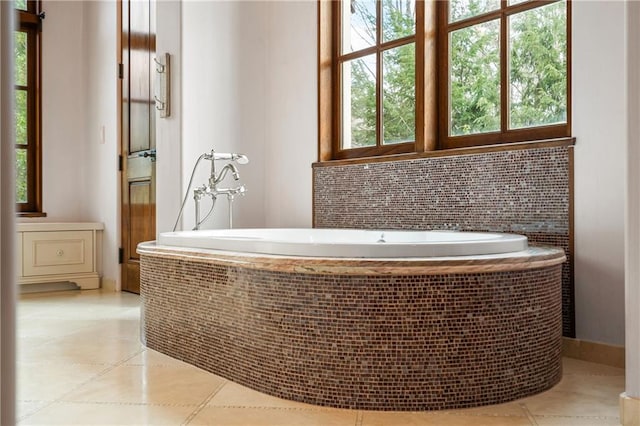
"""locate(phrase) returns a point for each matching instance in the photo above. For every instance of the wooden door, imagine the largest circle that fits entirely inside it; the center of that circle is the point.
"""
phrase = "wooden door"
(137, 72)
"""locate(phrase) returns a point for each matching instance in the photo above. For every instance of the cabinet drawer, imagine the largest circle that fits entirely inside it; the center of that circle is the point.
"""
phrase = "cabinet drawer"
(47, 253)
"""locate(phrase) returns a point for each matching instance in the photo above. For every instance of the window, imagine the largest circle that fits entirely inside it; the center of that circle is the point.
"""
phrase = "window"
(375, 63)
(406, 76)
(504, 71)
(27, 107)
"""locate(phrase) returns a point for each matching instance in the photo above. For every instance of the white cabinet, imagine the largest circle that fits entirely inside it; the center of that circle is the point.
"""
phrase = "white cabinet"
(56, 252)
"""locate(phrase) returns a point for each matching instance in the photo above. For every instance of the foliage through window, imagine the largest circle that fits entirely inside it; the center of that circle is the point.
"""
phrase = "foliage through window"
(27, 109)
(499, 72)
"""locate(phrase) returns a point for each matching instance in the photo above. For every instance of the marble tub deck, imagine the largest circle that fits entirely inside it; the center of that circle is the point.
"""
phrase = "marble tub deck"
(534, 257)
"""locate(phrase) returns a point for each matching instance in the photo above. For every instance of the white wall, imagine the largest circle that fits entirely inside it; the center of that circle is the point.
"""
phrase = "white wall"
(252, 90)
(169, 129)
(632, 217)
(7, 230)
(223, 89)
(599, 125)
(80, 180)
(292, 117)
(63, 124)
(99, 102)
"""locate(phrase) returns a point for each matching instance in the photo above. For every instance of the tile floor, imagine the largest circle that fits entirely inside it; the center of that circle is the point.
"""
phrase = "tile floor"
(80, 362)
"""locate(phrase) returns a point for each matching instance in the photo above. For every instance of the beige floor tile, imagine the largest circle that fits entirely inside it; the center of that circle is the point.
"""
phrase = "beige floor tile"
(508, 409)
(576, 421)
(48, 382)
(150, 385)
(576, 366)
(235, 395)
(108, 351)
(26, 408)
(151, 357)
(556, 404)
(26, 344)
(126, 328)
(83, 348)
(219, 416)
(579, 395)
(392, 418)
(592, 385)
(69, 413)
(48, 328)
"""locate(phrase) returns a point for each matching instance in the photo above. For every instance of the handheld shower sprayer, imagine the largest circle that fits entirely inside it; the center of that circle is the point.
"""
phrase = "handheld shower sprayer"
(238, 158)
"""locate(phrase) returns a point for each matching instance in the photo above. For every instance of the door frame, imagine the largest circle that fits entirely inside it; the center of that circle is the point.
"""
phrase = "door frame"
(168, 130)
(119, 161)
(126, 165)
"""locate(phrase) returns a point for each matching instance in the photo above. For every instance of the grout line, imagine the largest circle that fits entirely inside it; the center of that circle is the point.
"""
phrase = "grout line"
(359, 418)
(553, 416)
(465, 414)
(30, 413)
(203, 404)
(97, 375)
(266, 408)
(55, 363)
(142, 404)
(532, 420)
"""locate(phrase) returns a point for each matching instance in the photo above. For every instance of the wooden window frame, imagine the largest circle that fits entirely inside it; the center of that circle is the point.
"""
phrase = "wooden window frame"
(380, 46)
(504, 135)
(29, 21)
(432, 83)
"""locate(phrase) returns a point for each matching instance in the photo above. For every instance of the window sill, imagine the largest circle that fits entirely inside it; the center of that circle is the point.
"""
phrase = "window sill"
(31, 214)
(549, 143)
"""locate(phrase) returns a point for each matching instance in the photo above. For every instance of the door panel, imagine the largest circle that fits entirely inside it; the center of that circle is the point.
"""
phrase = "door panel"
(139, 74)
(138, 134)
(141, 214)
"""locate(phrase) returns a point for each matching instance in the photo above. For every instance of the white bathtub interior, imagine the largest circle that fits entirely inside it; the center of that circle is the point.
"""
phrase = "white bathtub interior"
(348, 243)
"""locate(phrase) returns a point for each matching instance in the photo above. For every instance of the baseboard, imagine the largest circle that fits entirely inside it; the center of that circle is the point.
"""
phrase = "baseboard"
(108, 284)
(48, 287)
(629, 410)
(601, 353)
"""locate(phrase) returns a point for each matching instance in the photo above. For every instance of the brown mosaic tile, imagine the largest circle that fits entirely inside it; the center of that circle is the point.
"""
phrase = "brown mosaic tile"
(521, 191)
(383, 342)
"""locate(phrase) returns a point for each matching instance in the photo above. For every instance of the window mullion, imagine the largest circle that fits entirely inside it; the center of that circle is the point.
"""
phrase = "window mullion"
(357, 54)
(398, 42)
(379, 75)
(32, 164)
(504, 69)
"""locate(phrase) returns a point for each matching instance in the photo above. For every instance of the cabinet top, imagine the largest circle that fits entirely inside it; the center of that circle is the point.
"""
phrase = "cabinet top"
(58, 226)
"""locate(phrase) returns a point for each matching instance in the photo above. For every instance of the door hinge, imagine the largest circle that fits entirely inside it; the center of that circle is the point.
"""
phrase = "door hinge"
(120, 71)
(119, 163)
(120, 256)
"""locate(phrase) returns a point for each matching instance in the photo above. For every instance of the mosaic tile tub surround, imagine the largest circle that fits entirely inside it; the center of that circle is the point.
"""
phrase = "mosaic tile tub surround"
(394, 341)
(525, 191)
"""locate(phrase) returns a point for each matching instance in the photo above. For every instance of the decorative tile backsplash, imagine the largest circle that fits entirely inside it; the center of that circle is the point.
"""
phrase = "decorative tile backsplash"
(525, 191)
